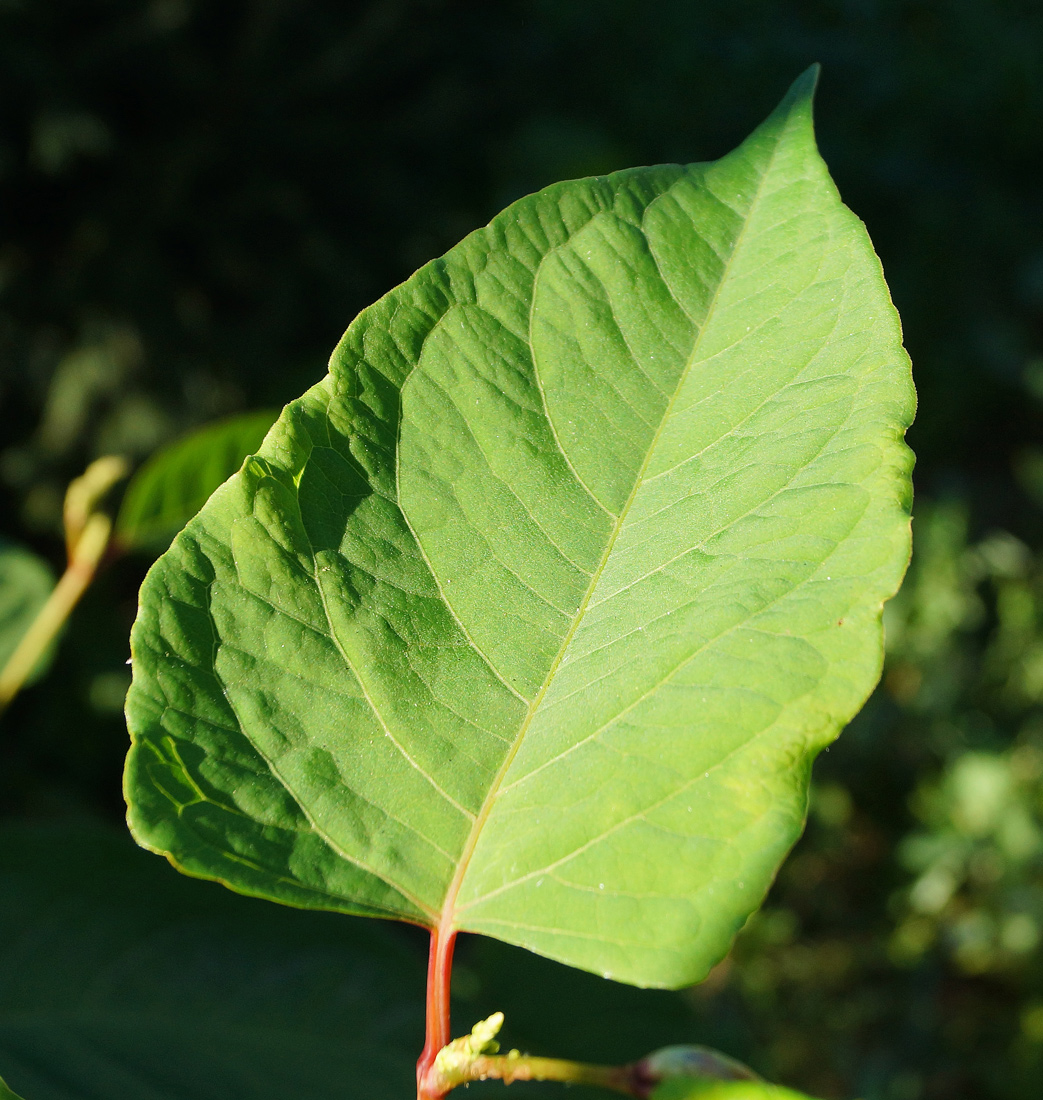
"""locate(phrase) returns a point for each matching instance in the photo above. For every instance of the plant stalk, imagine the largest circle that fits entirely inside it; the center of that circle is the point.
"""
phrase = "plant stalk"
(438, 1032)
(88, 534)
(475, 1057)
(83, 565)
(522, 1067)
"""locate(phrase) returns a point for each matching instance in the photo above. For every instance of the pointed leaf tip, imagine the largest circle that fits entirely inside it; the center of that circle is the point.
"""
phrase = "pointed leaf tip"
(807, 82)
(793, 115)
(801, 93)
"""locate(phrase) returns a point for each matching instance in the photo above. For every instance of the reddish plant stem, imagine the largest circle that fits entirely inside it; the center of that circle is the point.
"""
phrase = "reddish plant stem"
(438, 1034)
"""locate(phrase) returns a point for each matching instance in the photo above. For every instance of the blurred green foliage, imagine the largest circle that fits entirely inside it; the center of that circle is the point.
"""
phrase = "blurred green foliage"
(175, 482)
(196, 198)
(903, 937)
(25, 583)
(707, 1090)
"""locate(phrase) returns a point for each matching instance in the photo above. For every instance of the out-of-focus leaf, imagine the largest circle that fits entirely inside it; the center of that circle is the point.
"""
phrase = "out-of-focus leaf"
(25, 583)
(178, 480)
(724, 1090)
(121, 980)
(530, 618)
(6, 1093)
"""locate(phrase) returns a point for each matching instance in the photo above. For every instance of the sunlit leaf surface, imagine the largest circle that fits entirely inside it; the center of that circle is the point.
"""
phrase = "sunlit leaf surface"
(529, 618)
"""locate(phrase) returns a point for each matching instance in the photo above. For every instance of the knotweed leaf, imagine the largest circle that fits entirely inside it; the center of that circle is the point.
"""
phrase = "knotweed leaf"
(530, 617)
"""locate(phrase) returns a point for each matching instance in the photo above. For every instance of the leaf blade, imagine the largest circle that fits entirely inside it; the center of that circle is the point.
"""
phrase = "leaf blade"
(773, 823)
(527, 568)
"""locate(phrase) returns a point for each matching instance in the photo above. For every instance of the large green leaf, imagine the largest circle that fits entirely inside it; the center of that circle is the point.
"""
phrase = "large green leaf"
(120, 980)
(177, 480)
(529, 619)
(25, 583)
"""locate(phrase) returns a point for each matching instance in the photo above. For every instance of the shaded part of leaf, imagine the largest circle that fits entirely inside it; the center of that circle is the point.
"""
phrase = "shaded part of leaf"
(388, 639)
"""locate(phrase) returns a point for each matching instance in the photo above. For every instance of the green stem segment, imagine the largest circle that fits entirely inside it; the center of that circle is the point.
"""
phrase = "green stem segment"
(87, 535)
(474, 1057)
(521, 1067)
(77, 577)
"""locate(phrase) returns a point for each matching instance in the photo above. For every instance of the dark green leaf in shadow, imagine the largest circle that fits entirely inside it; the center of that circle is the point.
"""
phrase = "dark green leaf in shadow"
(121, 980)
(25, 583)
(178, 480)
(6, 1093)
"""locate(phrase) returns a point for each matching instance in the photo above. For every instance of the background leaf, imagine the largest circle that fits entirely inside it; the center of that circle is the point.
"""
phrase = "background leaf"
(176, 482)
(531, 617)
(26, 581)
(723, 1090)
(6, 1093)
(120, 980)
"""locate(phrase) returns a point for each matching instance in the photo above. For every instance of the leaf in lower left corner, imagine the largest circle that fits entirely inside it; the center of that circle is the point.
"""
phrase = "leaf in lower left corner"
(122, 980)
(6, 1093)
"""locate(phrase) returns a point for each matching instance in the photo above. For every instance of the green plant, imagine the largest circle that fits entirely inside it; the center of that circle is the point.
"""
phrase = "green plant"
(977, 853)
(160, 499)
(531, 617)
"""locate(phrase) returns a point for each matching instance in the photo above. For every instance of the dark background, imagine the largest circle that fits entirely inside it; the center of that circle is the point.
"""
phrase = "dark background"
(195, 200)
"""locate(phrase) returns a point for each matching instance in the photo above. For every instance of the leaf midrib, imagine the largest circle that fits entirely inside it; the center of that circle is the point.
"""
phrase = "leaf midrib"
(449, 905)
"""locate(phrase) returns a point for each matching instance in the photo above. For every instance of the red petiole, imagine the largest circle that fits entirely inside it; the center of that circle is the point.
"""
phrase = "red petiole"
(446, 1063)
(439, 973)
